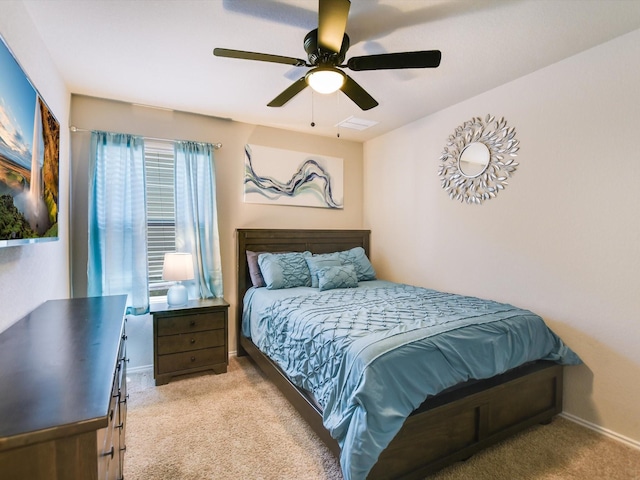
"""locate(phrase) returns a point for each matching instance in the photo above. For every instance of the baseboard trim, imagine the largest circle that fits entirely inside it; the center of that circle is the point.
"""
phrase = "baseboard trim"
(604, 431)
(141, 369)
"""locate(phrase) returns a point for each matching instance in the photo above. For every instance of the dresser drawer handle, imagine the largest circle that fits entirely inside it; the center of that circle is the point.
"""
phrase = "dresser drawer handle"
(192, 323)
(193, 359)
(193, 340)
(109, 453)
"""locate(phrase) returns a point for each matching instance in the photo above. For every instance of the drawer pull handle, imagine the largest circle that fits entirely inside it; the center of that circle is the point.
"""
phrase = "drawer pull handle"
(192, 323)
(193, 340)
(193, 359)
(109, 453)
(119, 426)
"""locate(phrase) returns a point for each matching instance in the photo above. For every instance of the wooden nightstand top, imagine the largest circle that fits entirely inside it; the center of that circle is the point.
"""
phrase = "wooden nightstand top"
(160, 307)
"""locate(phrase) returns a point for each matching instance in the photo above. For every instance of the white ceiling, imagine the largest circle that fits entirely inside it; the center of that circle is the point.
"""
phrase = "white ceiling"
(159, 52)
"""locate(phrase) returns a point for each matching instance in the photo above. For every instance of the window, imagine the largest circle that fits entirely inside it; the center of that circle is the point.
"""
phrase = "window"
(161, 216)
(139, 189)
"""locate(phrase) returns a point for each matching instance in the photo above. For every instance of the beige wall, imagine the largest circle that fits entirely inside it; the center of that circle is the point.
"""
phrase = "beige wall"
(562, 239)
(32, 274)
(92, 113)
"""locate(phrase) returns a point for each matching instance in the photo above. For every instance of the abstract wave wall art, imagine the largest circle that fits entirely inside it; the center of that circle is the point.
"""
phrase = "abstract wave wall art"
(285, 177)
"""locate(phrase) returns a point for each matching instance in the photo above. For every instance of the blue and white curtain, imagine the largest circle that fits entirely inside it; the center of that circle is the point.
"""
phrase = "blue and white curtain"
(117, 258)
(197, 216)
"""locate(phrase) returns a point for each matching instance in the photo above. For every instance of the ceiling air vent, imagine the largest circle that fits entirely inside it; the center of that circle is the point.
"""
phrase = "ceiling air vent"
(356, 123)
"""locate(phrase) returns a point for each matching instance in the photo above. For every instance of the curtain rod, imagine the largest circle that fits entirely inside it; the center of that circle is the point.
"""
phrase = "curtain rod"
(216, 146)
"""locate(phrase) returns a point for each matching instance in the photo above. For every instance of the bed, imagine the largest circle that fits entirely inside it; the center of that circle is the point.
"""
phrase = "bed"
(445, 427)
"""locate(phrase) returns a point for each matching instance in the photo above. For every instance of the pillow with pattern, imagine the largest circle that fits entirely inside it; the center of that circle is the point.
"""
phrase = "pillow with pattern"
(364, 269)
(343, 276)
(316, 262)
(355, 256)
(284, 270)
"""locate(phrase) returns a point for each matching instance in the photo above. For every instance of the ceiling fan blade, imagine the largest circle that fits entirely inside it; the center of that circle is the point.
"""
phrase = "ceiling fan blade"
(263, 57)
(332, 23)
(294, 89)
(358, 94)
(388, 61)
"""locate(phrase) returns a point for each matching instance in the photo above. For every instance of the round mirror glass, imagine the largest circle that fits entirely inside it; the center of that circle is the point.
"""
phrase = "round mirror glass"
(474, 159)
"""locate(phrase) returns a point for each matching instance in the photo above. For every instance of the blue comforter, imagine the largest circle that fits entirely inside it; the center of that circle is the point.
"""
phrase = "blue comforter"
(371, 355)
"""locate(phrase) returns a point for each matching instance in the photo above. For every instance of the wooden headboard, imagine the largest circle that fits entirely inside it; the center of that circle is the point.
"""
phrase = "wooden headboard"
(281, 240)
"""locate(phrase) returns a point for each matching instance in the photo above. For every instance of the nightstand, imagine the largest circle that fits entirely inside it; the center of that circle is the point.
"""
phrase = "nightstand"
(191, 338)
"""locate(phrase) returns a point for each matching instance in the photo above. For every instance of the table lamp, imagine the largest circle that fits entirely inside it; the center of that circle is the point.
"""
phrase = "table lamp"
(177, 267)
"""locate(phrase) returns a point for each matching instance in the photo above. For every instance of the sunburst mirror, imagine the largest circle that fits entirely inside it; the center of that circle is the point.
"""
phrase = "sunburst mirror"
(478, 159)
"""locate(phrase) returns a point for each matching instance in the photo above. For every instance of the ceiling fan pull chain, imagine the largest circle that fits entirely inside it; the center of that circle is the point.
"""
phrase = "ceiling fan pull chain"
(338, 110)
(313, 123)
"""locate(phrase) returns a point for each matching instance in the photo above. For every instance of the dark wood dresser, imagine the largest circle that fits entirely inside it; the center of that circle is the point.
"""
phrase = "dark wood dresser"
(191, 338)
(63, 391)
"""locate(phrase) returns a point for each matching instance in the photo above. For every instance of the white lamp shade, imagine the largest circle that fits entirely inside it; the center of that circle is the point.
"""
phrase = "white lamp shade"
(177, 266)
(325, 79)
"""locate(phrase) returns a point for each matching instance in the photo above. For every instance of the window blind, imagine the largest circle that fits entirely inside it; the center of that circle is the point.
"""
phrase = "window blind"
(161, 218)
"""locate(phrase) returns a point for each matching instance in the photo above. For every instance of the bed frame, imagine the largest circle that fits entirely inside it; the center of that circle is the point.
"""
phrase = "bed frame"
(446, 428)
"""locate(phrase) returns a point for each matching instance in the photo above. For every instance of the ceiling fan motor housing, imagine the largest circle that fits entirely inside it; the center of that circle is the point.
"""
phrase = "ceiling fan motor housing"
(319, 56)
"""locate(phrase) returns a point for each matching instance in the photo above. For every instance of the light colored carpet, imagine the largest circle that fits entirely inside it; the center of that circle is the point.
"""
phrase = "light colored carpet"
(238, 425)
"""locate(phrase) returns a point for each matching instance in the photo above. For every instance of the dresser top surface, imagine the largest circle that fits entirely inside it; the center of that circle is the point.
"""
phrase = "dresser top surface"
(57, 365)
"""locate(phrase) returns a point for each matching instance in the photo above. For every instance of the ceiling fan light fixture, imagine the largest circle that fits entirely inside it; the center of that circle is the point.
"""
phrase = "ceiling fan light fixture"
(325, 79)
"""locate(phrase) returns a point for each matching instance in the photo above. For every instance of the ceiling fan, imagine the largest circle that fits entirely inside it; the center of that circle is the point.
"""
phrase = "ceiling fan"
(326, 48)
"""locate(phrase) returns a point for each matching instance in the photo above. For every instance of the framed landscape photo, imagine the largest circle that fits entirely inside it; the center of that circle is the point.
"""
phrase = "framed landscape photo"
(29, 158)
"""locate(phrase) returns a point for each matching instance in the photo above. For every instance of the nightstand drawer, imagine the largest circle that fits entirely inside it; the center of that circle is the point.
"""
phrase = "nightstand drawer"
(194, 341)
(193, 359)
(191, 323)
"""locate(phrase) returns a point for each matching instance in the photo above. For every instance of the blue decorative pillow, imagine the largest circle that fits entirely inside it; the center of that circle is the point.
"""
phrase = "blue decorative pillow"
(316, 262)
(343, 276)
(364, 269)
(355, 256)
(284, 270)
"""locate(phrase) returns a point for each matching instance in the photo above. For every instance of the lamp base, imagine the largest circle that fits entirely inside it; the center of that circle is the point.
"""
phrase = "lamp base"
(177, 296)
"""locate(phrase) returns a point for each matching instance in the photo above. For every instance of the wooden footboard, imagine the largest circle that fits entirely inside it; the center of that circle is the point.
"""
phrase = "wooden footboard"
(466, 423)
